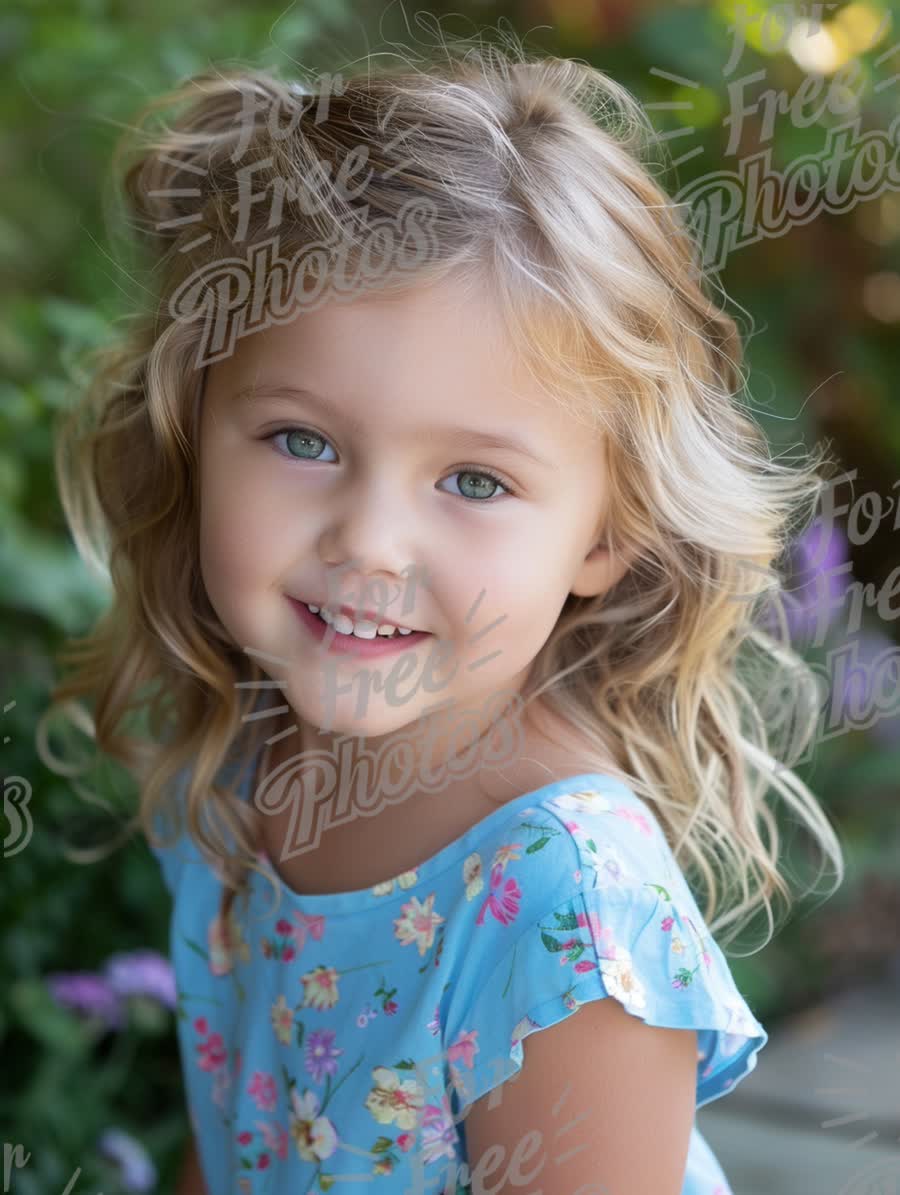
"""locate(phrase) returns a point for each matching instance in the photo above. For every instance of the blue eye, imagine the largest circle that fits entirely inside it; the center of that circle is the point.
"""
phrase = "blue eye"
(304, 436)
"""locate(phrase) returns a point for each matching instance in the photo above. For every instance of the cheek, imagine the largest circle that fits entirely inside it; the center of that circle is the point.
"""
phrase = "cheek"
(520, 587)
(242, 545)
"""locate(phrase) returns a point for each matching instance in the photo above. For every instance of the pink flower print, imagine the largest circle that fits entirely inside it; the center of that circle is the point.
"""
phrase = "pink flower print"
(314, 926)
(406, 1141)
(464, 1048)
(572, 949)
(417, 923)
(263, 1090)
(391, 1007)
(438, 1131)
(602, 938)
(636, 819)
(282, 1020)
(275, 1137)
(245, 1138)
(201, 1026)
(283, 948)
(666, 924)
(321, 1055)
(504, 898)
(313, 1135)
(212, 1053)
(262, 1162)
(320, 987)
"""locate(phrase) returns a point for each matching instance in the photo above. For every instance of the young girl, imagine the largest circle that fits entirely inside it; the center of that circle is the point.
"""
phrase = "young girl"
(437, 529)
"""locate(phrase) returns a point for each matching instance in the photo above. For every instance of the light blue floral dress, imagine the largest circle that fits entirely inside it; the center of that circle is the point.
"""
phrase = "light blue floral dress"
(336, 1043)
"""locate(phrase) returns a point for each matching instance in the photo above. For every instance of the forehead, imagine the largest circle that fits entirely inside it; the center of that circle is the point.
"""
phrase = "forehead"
(440, 351)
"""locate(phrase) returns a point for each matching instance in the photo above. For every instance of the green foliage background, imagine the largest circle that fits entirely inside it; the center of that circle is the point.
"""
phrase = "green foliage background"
(823, 363)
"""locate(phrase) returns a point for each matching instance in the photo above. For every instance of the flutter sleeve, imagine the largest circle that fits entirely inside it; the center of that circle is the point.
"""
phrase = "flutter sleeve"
(628, 928)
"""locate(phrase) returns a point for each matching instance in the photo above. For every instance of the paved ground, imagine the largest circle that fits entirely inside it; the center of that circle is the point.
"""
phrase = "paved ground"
(820, 1115)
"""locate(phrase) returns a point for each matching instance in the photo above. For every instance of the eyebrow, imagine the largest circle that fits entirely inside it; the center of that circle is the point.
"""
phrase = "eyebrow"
(467, 435)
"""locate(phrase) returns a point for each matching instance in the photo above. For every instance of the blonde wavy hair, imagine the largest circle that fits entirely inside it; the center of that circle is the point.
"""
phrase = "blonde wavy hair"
(537, 171)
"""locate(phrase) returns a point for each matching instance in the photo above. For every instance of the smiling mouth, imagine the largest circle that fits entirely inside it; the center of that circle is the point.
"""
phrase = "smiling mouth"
(375, 630)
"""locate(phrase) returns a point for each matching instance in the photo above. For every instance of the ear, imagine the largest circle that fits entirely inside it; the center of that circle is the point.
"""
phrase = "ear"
(600, 571)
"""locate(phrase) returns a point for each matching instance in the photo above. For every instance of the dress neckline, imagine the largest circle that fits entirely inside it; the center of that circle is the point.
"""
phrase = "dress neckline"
(389, 890)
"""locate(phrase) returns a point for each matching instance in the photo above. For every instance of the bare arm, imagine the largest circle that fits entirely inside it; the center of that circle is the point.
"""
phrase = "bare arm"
(630, 1088)
(190, 1179)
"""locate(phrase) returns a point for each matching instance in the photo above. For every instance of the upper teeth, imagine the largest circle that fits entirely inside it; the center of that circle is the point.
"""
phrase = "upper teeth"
(363, 628)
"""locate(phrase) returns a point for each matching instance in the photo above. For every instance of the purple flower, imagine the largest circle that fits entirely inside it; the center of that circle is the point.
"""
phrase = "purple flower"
(86, 993)
(142, 973)
(820, 576)
(321, 1056)
(137, 1170)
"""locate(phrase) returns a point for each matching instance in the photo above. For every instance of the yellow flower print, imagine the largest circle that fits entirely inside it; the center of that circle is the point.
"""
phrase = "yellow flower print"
(597, 801)
(226, 943)
(503, 854)
(473, 875)
(677, 945)
(313, 1135)
(417, 923)
(282, 1020)
(393, 1102)
(621, 982)
(406, 879)
(320, 987)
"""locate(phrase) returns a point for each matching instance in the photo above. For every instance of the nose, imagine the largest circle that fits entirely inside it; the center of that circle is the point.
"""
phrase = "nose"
(369, 545)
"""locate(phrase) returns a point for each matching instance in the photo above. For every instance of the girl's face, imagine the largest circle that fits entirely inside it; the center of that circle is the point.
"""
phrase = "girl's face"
(371, 474)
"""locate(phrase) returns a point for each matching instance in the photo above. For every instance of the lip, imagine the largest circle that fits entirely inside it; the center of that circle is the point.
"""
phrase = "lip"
(349, 644)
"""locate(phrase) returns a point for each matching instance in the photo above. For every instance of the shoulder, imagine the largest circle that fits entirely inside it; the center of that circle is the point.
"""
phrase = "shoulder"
(587, 831)
(583, 901)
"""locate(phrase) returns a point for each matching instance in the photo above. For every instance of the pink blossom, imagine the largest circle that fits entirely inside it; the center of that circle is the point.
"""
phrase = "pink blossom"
(212, 1053)
(262, 1088)
(464, 1047)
